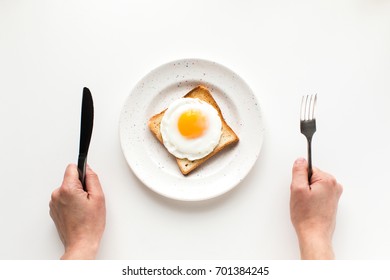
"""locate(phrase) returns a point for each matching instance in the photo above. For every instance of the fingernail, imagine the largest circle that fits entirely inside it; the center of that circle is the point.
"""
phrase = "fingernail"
(300, 161)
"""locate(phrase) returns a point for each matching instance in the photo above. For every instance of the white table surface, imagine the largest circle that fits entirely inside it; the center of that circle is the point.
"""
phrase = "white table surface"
(50, 49)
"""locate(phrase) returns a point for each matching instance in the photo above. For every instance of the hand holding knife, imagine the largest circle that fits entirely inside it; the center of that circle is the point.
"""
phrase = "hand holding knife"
(85, 133)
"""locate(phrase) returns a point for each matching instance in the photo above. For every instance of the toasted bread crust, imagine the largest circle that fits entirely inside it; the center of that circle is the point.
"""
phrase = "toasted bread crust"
(228, 136)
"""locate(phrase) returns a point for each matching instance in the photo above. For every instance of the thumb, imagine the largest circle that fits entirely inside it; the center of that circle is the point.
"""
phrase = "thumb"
(299, 174)
(71, 177)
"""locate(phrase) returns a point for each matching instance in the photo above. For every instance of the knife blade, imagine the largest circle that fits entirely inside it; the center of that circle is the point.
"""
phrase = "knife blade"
(85, 133)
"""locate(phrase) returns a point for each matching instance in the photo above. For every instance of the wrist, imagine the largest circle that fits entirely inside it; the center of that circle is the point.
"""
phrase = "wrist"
(316, 247)
(83, 250)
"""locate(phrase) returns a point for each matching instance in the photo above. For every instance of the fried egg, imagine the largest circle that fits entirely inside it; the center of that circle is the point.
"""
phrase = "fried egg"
(190, 128)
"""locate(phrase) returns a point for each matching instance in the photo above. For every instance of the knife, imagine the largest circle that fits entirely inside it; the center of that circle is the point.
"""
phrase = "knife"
(85, 133)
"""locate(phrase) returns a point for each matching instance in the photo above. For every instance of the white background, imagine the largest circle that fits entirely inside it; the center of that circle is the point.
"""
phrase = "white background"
(50, 50)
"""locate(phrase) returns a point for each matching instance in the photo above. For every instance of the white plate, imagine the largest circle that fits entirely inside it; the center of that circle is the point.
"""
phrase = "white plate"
(149, 159)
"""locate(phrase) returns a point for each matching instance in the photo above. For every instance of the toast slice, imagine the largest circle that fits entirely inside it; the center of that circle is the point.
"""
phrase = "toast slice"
(228, 136)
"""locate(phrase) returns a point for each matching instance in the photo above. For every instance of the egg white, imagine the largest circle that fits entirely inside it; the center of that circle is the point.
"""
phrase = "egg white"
(194, 148)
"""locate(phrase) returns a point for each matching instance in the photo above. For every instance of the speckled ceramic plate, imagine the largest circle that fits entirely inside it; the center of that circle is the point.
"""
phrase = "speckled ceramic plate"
(149, 159)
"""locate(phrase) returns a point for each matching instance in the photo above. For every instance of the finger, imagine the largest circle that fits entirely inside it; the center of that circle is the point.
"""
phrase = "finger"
(71, 177)
(325, 180)
(53, 211)
(317, 175)
(51, 207)
(92, 182)
(299, 174)
(55, 195)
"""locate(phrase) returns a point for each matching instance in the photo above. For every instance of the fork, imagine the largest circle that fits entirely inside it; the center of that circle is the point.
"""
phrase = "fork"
(308, 125)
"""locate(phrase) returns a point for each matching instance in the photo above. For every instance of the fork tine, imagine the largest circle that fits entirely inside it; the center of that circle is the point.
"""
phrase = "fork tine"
(308, 105)
(313, 101)
(303, 107)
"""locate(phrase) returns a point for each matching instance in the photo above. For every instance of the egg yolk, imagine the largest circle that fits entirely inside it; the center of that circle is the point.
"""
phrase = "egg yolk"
(192, 124)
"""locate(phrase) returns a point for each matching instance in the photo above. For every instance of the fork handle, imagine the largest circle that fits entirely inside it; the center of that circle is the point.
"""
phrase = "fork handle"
(310, 167)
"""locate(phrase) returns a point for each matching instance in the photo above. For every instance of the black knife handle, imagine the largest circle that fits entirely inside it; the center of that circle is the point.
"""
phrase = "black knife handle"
(82, 163)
